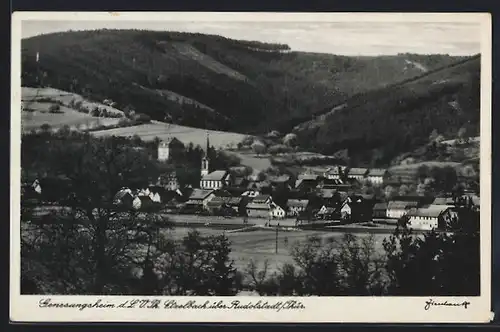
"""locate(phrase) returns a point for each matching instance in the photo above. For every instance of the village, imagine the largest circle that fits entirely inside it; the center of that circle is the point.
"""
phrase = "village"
(323, 196)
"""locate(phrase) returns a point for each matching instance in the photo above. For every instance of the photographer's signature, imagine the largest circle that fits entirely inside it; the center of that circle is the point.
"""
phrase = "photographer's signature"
(431, 303)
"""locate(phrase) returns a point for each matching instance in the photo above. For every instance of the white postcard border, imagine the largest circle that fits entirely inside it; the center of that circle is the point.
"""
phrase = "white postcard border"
(26, 308)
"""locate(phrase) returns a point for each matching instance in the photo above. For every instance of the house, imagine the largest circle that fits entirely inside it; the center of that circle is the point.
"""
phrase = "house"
(251, 193)
(259, 207)
(225, 205)
(31, 189)
(377, 176)
(279, 182)
(357, 209)
(199, 199)
(357, 173)
(168, 180)
(277, 212)
(430, 217)
(169, 149)
(335, 173)
(397, 209)
(296, 206)
(215, 180)
(142, 203)
(328, 212)
(380, 210)
(124, 198)
(307, 182)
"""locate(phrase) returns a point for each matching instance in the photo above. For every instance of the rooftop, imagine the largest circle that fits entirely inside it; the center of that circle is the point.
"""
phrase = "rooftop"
(358, 171)
(302, 203)
(377, 172)
(218, 175)
(200, 194)
(430, 211)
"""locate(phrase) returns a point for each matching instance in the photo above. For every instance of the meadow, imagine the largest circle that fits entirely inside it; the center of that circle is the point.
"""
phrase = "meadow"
(197, 136)
(260, 245)
(37, 104)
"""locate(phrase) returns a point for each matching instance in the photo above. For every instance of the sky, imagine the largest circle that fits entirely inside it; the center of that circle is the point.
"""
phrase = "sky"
(342, 37)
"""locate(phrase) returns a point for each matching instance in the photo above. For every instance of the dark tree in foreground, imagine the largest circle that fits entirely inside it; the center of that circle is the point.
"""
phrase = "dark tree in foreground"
(439, 264)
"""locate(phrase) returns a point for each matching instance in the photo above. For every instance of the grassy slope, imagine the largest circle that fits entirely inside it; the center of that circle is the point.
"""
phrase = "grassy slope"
(243, 89)
(39, 102)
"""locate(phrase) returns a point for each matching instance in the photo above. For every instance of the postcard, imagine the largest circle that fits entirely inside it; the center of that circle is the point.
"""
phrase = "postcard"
(250, 167)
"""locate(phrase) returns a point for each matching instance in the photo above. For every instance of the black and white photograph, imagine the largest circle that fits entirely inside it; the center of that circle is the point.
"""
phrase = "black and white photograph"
(261, 163)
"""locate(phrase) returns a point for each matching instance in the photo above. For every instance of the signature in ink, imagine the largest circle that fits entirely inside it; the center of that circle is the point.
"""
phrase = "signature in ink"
(431, 303)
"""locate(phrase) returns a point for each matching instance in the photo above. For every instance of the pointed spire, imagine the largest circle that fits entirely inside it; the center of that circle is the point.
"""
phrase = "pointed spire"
(208, 144)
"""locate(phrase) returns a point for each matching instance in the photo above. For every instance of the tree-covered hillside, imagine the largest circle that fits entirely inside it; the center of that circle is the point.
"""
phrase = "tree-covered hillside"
(231, 85)
(382, 123)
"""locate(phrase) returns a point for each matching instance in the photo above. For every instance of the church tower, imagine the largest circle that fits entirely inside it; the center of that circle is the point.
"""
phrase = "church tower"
(164, 150)
(205, 160)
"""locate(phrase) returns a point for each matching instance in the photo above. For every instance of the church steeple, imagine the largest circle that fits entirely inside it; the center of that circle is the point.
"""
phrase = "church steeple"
(205, 160)
(208, 146)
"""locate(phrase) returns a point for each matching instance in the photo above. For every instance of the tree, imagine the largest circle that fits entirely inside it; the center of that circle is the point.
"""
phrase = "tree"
(258, 147)
(389, 192)
(199, 265)
(445, 264)
(90, 247)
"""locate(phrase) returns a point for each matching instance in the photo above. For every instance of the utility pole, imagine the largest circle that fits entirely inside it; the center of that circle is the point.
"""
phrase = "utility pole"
(276, 238)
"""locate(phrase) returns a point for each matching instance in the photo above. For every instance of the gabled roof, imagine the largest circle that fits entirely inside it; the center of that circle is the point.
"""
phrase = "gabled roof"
(327, 193)
(401, 205)
(300, 203)
(308, 177)
(443, 201)
(279, 179)
(258, 206)
(432, 211)
(357, 171)
(380, 206)
(200, 194)
(261, 198)
(333, 171)
(218, 175)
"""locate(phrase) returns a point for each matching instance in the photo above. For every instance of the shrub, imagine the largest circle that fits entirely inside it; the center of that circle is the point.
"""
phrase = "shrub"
(55, 108)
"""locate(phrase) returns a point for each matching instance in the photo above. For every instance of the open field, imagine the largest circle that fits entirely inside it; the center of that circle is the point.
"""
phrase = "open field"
(39, 101)
(69, 117)
(257, 163)
(260, 245)
(197, 136)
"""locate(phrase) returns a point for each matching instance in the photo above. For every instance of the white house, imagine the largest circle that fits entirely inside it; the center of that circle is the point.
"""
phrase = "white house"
(357, 173)
(277, 212)
(345, 210)
(397, 209)
(377, 176)
(430, 217)
(296, 206)
(334, 173)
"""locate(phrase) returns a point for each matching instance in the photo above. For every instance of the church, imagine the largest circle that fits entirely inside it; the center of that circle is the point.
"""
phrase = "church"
(212, 180)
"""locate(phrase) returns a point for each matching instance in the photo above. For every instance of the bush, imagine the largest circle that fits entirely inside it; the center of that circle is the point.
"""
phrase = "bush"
(55, 108)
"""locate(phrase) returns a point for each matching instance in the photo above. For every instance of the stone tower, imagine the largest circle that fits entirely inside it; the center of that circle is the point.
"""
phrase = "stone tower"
(164, 150)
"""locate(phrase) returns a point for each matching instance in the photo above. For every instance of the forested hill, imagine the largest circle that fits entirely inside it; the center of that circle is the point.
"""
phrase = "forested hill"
(210, 81)
(378, 125)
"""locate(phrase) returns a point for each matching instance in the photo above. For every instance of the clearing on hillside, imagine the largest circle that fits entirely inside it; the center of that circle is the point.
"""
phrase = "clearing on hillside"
(197, 136)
